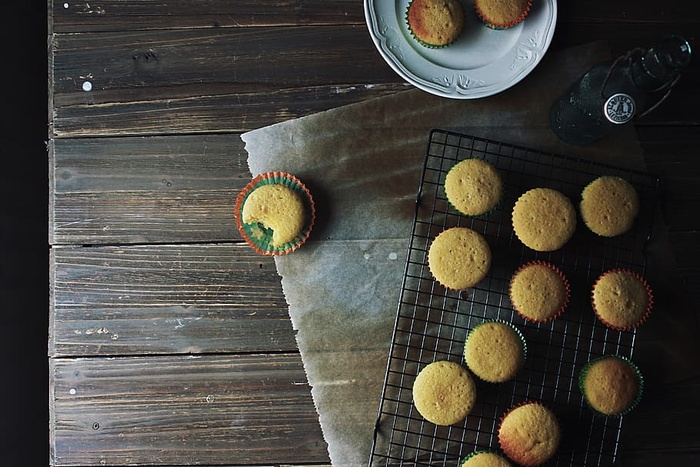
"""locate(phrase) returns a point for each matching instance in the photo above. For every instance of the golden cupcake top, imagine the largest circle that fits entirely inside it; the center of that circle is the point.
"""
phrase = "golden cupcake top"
(484, 459)
(544, 219)
(494, 351)
(444, 392)
(459, 258)
(502, 14)
(435, 22)
(539, 291)
(622, 299)
(473, 187)
(609, 206)
(529, 434)
(610, 385)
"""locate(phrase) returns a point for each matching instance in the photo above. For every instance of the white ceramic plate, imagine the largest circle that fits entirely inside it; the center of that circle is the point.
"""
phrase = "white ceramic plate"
(482, 61)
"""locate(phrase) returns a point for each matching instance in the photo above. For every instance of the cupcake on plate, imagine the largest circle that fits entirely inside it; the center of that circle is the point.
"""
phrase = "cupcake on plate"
(444, 392)
(473, 187)
(494, 351)
(539, 291)
(459, 258)
(609, 206)
(544, 219)
(502, 14)
(275, 213)
(611, 385)
(529, 434)
(622, 299)
(435, 23)
(484, 458)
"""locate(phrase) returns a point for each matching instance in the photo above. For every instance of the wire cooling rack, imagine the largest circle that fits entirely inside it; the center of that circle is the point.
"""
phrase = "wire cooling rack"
(432, 322)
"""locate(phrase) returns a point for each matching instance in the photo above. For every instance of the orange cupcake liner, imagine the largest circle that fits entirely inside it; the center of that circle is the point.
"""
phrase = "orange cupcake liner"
(650, 300)
(500, 26)
(565, 281)
(257, 237)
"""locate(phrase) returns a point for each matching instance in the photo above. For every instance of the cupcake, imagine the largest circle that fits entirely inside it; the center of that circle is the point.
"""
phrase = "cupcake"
(539, 291)
(484, 459)
(609, 206)
(544, 219)
(435, 23)
(529, 434)
(494, 351)
(622, 299)
(275, 213)
(444, 392)
(502, 14)
(459, 258)
(611, 385)
(473, 187)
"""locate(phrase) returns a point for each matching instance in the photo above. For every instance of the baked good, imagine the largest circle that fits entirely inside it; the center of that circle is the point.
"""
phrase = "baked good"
(609, 206)
(473, 187)
(622, 299)
(444, 392)
(611, 385)
(502, 14)
(544, 219)
(275, 213)
(459, 258)
(539, 291)
(529, 434)
(494, 351)
(484, 459)
(435, 23)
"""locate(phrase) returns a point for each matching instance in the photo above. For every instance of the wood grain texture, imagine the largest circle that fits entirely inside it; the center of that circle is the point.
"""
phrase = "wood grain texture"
(218, 410)
(166, 299)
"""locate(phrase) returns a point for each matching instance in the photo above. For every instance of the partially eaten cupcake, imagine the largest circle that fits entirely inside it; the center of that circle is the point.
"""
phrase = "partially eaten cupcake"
(275, 213)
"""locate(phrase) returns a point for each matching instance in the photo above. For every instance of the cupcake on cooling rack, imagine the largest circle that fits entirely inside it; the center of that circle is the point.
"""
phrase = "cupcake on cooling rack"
(611, 385)
(622, 299)
(275, 213)
(544, 219)
(494, 351)
(539, 291)
(435, 23)
(444, 392)
(529, 434)
(473, 187)
(459, 258)
(484, 458)
(502, 14)
(609, 206)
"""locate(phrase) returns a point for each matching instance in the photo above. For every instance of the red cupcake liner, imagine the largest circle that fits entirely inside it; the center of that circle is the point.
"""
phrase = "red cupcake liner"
(508, 412)
(261, 242)
(565, 281)
(650, 299)
(501, 26)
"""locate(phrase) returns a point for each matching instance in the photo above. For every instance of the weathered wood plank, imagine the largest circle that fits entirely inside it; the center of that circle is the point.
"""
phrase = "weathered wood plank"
(218, 410)
(138, 190)
(166, 299)
(204, 80)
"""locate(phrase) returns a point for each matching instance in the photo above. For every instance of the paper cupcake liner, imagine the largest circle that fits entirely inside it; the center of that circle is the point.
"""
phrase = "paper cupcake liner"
(260, 238)
(501, 26)
(567, 287)
(517, 406)
(650, 300)
(497, 205)
(422, 42)
(637, 397)
(519, 334)
(471, 455)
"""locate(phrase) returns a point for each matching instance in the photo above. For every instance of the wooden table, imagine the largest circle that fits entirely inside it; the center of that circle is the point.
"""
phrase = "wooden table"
(170, 342)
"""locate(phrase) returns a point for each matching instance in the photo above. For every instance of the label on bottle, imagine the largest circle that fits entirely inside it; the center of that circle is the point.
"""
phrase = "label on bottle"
(619, 108)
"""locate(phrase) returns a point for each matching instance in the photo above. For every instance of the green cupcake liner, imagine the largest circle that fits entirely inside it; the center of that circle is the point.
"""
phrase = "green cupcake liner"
(259, 237)
(484, 214)
(635, 401)
(421, 42)
(463, 461)
(517, 332)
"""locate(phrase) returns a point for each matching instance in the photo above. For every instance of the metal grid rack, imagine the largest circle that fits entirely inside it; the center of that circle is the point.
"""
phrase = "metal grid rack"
(432, 322)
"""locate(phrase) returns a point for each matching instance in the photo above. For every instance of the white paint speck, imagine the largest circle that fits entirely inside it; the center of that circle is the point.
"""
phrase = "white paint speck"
(210, 398)
(393, 256)
(65, 5)
(72, 392)
(87, 86)
(367, 256)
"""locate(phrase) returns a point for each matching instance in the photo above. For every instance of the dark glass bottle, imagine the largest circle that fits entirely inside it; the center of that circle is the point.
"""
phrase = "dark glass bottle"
(611, 94)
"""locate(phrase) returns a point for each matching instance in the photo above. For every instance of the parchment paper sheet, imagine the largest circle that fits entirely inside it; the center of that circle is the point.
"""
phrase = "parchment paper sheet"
(362, 162)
